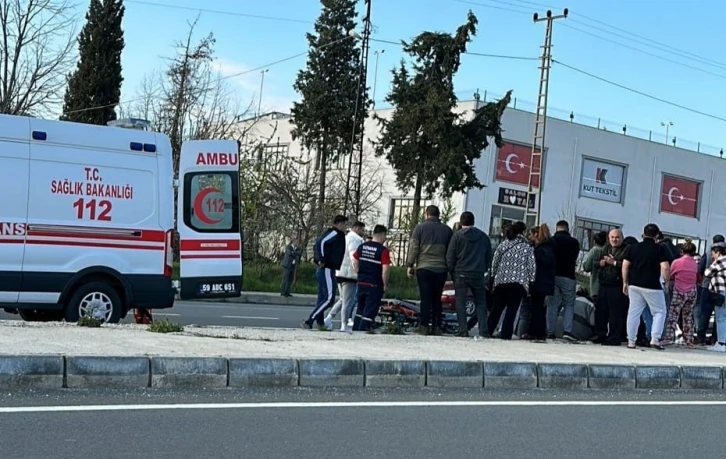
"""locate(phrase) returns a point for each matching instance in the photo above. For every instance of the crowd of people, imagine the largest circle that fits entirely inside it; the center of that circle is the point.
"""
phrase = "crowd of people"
(642, 291)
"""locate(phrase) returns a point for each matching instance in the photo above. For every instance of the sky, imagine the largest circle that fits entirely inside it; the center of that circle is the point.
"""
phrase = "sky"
(669, 50)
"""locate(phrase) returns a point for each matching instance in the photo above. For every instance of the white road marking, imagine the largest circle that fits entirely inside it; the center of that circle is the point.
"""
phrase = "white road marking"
(249, 318)
(283, 405)
(165, 314)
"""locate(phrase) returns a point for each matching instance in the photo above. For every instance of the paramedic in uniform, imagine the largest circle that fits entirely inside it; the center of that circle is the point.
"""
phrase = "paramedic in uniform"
(329, 251)
(372, 261)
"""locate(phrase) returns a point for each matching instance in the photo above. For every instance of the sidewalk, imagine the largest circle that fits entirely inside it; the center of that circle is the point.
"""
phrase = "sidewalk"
(221, 356)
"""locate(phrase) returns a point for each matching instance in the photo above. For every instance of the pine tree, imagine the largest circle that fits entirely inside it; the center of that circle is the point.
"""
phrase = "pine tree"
(329, 90)
(94, 88)
(431, 148)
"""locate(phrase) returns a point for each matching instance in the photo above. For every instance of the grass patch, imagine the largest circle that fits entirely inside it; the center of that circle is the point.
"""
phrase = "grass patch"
(165, 326)
(267, 278)
(88, 321)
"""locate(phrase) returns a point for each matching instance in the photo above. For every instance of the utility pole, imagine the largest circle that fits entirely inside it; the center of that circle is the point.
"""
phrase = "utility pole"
(540, 121)
(375, 76)
(262, 87)
(355, 163)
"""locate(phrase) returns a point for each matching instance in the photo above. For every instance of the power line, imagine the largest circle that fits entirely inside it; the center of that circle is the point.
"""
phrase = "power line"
(471, 53)
(683, 64)
(225, 13)
(659, 46)
(640, 93)
(639, 39)
(221, 78)
(678, 50)
(468, 2)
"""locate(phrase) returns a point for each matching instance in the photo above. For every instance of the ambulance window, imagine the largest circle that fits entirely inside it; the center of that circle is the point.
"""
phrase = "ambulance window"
(210, 200)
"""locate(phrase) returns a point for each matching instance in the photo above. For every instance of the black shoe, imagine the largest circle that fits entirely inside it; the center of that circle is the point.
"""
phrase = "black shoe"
(305, 325)
(552, 337)
(570, 337)
(462, 334)
(436, 331)
(597, 340)
(421, 330)
(611, 343)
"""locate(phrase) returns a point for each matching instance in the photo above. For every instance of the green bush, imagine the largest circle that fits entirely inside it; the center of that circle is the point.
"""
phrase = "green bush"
(165, 326)
(267, 278)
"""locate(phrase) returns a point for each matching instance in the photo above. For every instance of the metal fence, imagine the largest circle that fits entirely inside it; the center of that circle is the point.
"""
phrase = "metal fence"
(595, 122)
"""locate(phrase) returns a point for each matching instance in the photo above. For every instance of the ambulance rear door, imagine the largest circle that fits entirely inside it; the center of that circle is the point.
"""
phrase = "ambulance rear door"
(208, 220)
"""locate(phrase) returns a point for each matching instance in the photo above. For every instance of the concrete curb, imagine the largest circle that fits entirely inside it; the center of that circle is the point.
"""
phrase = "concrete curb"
(22, 372)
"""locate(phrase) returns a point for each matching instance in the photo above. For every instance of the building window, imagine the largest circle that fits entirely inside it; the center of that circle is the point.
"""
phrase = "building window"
(273, 151)
(585, 230)
(678, 240)
(400, 213)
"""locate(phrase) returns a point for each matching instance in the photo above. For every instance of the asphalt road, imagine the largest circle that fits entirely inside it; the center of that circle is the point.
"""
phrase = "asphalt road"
(227, 314)
(360, 424)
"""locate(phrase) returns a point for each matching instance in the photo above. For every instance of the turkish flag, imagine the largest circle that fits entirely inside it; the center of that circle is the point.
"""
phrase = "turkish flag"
(513, 165)
(679, 196)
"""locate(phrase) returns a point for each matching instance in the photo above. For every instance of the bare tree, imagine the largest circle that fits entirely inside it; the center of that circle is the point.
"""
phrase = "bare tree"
(371, 189)
(36, 53)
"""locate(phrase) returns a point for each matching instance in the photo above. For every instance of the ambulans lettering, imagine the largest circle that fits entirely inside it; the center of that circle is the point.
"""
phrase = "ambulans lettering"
(12, 229)
(217, 159)
(92, 205)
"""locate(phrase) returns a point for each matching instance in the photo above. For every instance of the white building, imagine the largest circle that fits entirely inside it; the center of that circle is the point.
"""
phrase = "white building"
(594, 178)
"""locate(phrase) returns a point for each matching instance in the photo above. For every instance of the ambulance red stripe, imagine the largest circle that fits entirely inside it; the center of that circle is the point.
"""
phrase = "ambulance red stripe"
(209, 245)
(99, 245)
(124, 234)
(210, 256)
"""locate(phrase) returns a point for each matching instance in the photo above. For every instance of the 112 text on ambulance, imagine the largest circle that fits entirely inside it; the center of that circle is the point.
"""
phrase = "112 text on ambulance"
(88, 205)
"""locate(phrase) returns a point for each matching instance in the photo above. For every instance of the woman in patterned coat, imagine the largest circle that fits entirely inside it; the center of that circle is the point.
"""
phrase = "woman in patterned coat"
(514, 269)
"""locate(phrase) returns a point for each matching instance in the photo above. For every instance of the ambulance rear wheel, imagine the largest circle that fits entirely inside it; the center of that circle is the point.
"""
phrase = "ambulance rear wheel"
(95, 299)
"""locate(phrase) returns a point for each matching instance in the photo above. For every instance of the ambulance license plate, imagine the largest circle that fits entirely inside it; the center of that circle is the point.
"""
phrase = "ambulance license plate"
(215, 288)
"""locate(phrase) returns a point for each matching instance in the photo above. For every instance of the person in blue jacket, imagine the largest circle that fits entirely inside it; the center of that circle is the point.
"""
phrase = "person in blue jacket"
(328, 254)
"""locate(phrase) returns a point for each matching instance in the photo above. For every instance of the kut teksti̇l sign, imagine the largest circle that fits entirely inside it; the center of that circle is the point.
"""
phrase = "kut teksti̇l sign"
(602, 180)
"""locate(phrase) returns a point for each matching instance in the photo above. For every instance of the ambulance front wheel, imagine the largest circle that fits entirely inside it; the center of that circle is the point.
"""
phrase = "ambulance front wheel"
(95, 299)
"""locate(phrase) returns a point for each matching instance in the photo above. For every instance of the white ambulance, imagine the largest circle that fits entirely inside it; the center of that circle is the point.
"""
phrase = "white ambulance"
(87, 219)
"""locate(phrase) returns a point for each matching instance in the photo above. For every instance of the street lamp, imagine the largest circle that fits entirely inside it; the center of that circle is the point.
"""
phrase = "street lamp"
(667, 125)
(262, 85)
(375, 75)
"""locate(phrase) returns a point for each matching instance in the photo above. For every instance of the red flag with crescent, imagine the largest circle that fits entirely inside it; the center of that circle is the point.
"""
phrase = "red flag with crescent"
(513, 165)
(680, 196)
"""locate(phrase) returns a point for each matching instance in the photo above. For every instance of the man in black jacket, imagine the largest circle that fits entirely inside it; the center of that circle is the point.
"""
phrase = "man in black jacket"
(328, 251)
(468, 259)
(610, 293)
(566, 251)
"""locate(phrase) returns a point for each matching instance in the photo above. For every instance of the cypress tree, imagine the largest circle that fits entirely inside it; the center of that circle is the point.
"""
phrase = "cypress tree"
(94, 87)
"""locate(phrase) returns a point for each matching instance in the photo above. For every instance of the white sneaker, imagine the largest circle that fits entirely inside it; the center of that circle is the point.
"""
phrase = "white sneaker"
(350, 323)
(717, 348)
(329, 323)
(345, 328)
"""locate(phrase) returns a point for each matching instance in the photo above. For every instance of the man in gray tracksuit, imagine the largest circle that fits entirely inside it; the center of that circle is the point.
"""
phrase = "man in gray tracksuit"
(290, 262)
(468, 259)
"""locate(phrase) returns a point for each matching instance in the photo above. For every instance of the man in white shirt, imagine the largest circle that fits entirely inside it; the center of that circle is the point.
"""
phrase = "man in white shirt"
(347, 280)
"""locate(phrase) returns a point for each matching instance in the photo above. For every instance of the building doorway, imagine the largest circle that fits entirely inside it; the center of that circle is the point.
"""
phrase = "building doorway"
(502, 217)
